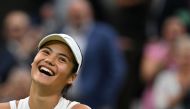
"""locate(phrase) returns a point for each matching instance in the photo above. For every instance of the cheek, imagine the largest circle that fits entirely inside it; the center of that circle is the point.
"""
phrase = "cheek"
(64, 70)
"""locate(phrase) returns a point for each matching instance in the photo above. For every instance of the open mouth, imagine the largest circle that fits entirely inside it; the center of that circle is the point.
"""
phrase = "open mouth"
(46, 71)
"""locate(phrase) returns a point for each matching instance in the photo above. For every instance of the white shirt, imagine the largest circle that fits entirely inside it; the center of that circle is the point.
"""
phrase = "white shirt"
(166, 86)
(62, 104)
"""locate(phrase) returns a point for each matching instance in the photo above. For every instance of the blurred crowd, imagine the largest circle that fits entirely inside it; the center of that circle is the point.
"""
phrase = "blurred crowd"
(136, 52)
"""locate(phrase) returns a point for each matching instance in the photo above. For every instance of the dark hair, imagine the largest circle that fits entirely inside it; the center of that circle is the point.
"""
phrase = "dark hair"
(73, 71)
(75, 68)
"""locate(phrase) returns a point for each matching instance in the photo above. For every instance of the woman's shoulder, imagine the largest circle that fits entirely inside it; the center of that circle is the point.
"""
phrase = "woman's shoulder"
(72, 104)
(4, 105)
(9, 105)
(80, 106)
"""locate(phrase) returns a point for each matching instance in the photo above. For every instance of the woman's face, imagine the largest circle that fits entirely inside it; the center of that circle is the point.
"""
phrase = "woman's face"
(53, 66)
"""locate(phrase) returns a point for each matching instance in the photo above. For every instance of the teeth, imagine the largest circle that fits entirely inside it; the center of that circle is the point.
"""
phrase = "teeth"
(46, 70)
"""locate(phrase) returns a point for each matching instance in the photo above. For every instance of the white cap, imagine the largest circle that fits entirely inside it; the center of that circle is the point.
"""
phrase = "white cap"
(69, 41)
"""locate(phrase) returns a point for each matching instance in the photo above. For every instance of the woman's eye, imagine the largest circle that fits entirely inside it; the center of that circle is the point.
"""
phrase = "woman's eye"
(46, 52)
(61, 59)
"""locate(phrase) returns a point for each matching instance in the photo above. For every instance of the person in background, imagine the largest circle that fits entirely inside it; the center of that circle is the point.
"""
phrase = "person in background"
(49, 23)
(157, 51)
(157, 56)
(103, 70)
(172, 85)
(20, 40)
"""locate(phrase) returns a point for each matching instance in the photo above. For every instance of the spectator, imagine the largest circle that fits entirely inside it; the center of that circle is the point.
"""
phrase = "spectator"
(157, 55)
(171, 86)
(20, 42)
(48, 20)
(102, 72)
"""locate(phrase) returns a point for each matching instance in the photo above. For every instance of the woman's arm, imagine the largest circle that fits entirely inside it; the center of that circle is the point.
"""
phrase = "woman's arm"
(4, 106)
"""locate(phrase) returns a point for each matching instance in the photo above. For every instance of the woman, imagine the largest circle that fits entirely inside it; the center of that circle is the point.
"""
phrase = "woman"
(53, 71)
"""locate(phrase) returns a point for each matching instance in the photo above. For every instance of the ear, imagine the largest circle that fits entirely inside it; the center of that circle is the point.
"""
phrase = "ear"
(31, 64)
(72, 78)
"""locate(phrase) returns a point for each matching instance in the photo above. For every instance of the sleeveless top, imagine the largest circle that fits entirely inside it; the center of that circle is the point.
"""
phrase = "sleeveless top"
(62, 104)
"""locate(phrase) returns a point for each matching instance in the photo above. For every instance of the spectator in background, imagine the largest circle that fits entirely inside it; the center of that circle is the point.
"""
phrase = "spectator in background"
(17, 30)
(49, 23)
(158, 56)
(158, 11)
(20, 42)
(171, 86)
(156, 52)
(103, 70)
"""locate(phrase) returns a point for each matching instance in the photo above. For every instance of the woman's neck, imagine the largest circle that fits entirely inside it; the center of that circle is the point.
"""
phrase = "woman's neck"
(40, 99)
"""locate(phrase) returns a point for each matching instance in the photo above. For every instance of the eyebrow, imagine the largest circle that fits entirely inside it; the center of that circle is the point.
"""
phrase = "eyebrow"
(62, 54)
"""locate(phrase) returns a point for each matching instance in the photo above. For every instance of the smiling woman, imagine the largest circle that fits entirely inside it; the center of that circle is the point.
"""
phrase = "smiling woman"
(54, 69)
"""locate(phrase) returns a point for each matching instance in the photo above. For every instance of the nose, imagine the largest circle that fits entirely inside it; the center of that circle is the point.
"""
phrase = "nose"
(50, 60)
